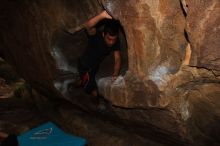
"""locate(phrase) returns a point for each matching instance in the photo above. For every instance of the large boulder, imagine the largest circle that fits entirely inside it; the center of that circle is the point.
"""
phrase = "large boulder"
(27, 32)
(204, 33)
(159, 88)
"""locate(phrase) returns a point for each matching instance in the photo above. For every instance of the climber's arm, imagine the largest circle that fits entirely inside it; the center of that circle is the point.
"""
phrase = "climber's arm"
(90, 24)
(117, 65)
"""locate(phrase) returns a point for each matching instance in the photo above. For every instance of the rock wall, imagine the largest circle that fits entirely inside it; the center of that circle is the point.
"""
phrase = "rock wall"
(27, 30)
(156, 41)
(164, 86)
(203, 30)
(161, 73)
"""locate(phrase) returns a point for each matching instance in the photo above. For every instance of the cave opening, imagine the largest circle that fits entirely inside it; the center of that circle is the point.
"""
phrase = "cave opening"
(68, 47)
(166, 99)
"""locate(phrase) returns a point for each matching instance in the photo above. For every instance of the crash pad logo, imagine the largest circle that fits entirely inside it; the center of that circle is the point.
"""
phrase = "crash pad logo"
(41, 134)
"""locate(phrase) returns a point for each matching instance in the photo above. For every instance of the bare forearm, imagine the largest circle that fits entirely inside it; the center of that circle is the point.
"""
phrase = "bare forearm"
(90, 24)
(93, 21)
(117, 68)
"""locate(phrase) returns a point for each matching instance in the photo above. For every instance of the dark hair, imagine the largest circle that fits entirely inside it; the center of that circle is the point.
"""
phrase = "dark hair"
(111, 27)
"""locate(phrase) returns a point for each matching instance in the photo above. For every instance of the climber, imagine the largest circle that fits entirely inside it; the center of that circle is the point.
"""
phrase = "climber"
(100, 44)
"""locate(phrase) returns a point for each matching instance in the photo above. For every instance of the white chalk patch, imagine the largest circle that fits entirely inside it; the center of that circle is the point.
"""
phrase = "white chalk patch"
(61, 61)
(119, 81)
(159, 75)
(107, 81)
(62, 86)
(106, 85)
(108, 6)
(184, 111)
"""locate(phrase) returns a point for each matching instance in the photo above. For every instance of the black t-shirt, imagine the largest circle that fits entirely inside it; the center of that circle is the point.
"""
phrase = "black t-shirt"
(97, 50)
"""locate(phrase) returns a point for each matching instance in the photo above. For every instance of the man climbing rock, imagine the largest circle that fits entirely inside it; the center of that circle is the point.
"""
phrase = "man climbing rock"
(100, 44)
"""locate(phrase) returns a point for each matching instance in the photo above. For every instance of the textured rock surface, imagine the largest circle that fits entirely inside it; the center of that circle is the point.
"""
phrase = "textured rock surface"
(20, 113)
(155, 44)
(194, 95)
(5, 90)
(27, 31)
(18, 116)
(203, 29)
(156, 48)
(158, 92)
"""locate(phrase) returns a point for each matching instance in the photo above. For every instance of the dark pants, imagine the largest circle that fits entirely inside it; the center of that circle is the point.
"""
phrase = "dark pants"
(87, 76)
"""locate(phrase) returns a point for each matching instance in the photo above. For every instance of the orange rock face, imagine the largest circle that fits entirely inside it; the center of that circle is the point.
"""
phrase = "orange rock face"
(168, 84)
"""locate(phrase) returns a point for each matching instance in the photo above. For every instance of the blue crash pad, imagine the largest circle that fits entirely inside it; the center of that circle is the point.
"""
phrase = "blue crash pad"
(49, 134)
